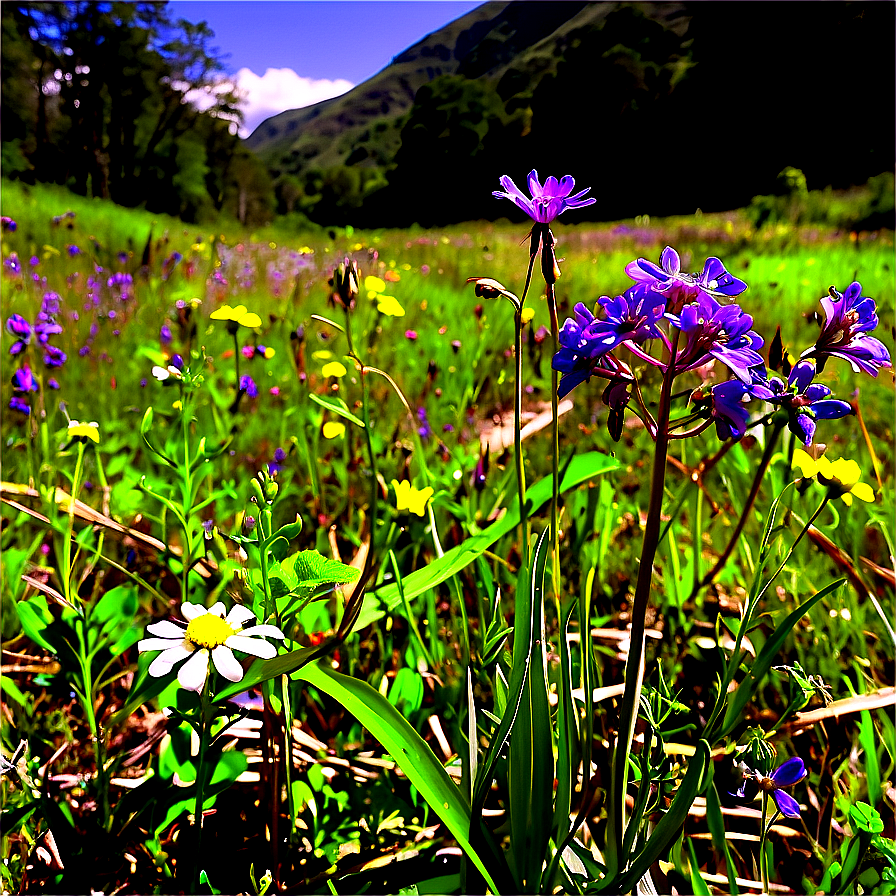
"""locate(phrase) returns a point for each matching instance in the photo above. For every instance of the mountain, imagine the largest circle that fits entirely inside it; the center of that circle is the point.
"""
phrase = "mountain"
(662, 107)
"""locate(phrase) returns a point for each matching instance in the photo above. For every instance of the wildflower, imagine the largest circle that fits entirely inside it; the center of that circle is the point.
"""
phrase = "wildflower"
(717, 331)
(277, 463)
(165, 334)
(547, 201)
(333, 368)
(727, 408)
(236, 317)
(345, 280)
(207, 632)
(162, 374)
(8, 223)
(72, 250)
(840, 476)
(248, 352)
(247, 385)
(805, 401)
(679, 287)
(389, 306)
(577, 355)
(424, 430)
(11, 263)
(17, 326)
(54, 356)
(409, 498)
(633, 317)
(333, 429)
(20, 405)
(23, 380)
(84, 431)
(785, 775)
(249, 523)
(274, 390)
(410, 335)
(848, 319)
(45, 327)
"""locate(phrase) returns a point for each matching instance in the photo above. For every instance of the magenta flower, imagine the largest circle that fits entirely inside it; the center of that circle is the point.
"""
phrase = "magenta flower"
(727, 408)
(633, 317)
(548, 201)
(17, 326)
(848, 319)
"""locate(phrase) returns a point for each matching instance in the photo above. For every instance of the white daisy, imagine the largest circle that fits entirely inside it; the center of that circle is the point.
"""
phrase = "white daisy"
(207, 631)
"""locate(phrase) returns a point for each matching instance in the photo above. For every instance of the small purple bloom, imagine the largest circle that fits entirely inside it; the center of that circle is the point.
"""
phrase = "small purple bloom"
(247, 385)
(8, 223)
(12, 264)
(177, 361)
(54, 356)
(23, 380)
(84, 350)
(46, 327)
(248, 523)
(717, 331)
(424, 430)
(72, 250)
(34, 261)
(277, 463)
(50, 303)
(785, 775)
(848, 319)
(165, 334)
(410, 334)
(17, 326)
(804, 401)
(633, 316)
(578, 354)
(52, 383)
(727, 408)
(680, 287)
(547, 201)
(248, 352)
(20, 405)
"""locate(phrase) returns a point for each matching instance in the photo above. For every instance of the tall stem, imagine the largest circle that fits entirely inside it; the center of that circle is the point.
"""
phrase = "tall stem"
(517, 438)
(555, 446)
(634, 667)
(206, 717)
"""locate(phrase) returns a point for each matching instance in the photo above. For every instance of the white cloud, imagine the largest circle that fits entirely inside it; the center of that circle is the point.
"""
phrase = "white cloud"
(280, 89)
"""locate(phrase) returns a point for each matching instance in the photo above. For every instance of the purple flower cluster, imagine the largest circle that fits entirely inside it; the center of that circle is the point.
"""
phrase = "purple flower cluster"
(693, 318)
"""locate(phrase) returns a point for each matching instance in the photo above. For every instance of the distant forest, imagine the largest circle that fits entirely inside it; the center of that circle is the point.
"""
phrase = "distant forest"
(661, 108)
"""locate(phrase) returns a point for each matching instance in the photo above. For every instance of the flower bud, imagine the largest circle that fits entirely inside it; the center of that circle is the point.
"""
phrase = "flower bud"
(346, 278)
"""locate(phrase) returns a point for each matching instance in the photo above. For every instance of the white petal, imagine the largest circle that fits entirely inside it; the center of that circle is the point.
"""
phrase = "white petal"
(166, 629)
(263, 631)
(239, 616)
(157, 643)
(255, 646)
(160, 373)
(164, 662)
(227, 664)
(194, 671)
(192, 611)
(217, 609)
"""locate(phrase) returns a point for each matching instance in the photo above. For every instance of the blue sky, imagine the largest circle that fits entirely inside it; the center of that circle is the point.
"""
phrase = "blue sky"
(290, 53)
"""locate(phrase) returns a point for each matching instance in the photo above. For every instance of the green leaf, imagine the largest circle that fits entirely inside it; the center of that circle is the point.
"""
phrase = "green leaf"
(698, 885)
(35, 616)
(761, 665)
(337, 406)
(406, 747)
(582, 468)
(264, 670)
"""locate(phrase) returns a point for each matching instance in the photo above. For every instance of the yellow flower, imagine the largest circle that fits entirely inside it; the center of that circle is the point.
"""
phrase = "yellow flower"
(239, 317)
(333, 429)
(269, 352)
(373, 285)
(334, 368)
(389, 305)
(527, 315)
(84, 431)
(409, 498)
(841, 476)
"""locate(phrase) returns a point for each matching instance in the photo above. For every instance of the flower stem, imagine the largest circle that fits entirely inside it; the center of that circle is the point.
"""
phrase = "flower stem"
(517, 438)
(634, 667)
(206, 717)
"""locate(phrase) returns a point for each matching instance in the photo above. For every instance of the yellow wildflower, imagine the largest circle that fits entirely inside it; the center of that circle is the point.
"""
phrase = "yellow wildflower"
(333, 429)
(236, 317)
(841, 476)
(409, 498)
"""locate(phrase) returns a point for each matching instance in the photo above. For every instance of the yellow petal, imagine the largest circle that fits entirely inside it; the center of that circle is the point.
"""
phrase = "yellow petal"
(269, 352)
(84, 430)
(322, 354)
(824, 467)
(389, 305)
(374, 284)
(222, 313)
(334, 368)
(847, 499)
(419, 499)
(527, 315)
(863, 492)
(333, 429)
(847, 472)
(804, 463)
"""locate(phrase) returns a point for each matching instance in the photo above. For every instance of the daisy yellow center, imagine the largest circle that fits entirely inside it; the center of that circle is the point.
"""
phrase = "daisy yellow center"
(209, 631)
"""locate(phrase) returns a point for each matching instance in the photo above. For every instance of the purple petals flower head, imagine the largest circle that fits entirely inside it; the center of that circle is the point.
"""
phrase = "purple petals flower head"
(631, 317)
(247, 385)
(546, 202)
(715, 331)
(727, 408)
(848, 319)
(785, 775)
(680, 287)
(578, 354)
(54, 356)
(804, 401)
(17, 326)
(23, 380)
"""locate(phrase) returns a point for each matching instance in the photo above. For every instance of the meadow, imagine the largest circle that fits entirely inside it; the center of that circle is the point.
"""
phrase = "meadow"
(500, 653)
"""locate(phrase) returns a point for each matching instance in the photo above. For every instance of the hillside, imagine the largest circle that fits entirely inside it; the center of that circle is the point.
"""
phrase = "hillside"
(670, 106)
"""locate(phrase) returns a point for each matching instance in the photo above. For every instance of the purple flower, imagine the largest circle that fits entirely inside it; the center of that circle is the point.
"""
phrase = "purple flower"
(52, 383)
(72, 251)
(165, 334)
(50, 303)
(46, 327)
(12, 264)
(54, 356)
(578, 354)
(177, 361)
(804, 401)
(633, 316)
(248, 352)
(727, 408)
(424, 430)
(18, 404)
(717, 331)
(785, 775)
(7, 223)
(848, 318)
(680, 287)
(17, 326)
(277, 463)
(23, 380)
(547, 201)
(247, 385)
